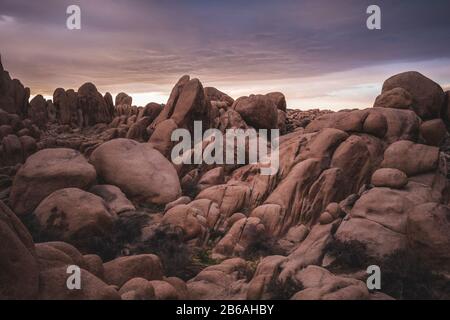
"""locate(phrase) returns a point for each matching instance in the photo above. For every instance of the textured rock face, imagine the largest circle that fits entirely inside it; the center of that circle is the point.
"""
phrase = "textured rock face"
(140, 171)
(45, 172)
(19, 272)
(427, 96)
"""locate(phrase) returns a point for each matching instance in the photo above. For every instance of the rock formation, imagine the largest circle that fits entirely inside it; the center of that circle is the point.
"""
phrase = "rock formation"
(89, 182)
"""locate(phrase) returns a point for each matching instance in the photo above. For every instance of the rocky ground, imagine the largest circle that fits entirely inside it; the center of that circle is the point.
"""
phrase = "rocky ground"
(87, 181)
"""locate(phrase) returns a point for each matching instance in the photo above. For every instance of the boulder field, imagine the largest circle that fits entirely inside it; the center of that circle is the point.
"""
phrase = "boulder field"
(87, 181)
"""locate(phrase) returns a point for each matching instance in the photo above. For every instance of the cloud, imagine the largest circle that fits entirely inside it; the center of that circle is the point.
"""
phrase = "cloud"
(145, 46)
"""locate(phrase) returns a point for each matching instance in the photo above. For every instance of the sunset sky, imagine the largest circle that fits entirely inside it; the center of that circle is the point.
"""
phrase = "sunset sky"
(319, 53)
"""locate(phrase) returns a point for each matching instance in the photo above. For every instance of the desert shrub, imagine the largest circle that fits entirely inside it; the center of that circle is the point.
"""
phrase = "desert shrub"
(283, 291)
(31, 223)
(348, 254)
(127, 230)
(262, 245)
(190, 189)
(168, 244)
(405, 276)
(203, 257)
(153, 207)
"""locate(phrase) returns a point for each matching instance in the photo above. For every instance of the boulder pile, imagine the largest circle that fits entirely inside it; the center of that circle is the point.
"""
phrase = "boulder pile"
(86, 181)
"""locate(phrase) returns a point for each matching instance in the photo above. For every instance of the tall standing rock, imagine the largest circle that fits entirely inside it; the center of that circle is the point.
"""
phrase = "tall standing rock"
(93, 106)
(13, 95)
(65, 103)
(187, 103)
(38, 111)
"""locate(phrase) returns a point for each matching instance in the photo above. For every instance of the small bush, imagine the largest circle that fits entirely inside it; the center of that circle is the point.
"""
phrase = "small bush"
(261, 246)
(283, 291)
(167, 243)
(125, 230)
(349, 254)
(190, 189)
(203, 257)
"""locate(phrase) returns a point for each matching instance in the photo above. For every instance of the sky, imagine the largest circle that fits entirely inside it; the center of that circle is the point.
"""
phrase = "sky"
(319, 53)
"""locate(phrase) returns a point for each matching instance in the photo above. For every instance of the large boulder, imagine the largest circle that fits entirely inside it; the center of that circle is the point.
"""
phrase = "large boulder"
(53, 286)
(78, 224)
(137, 289)
(114, 197)
(242, 235)
(279, 99)
(138, 170)
(411, 158)
(258, 111)
(218, 97)
(389, 177)
(428, 96)
(187, 218)
(378, 218)
(123, 99)
(119, 271)
(19, 271)
(45, 172)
